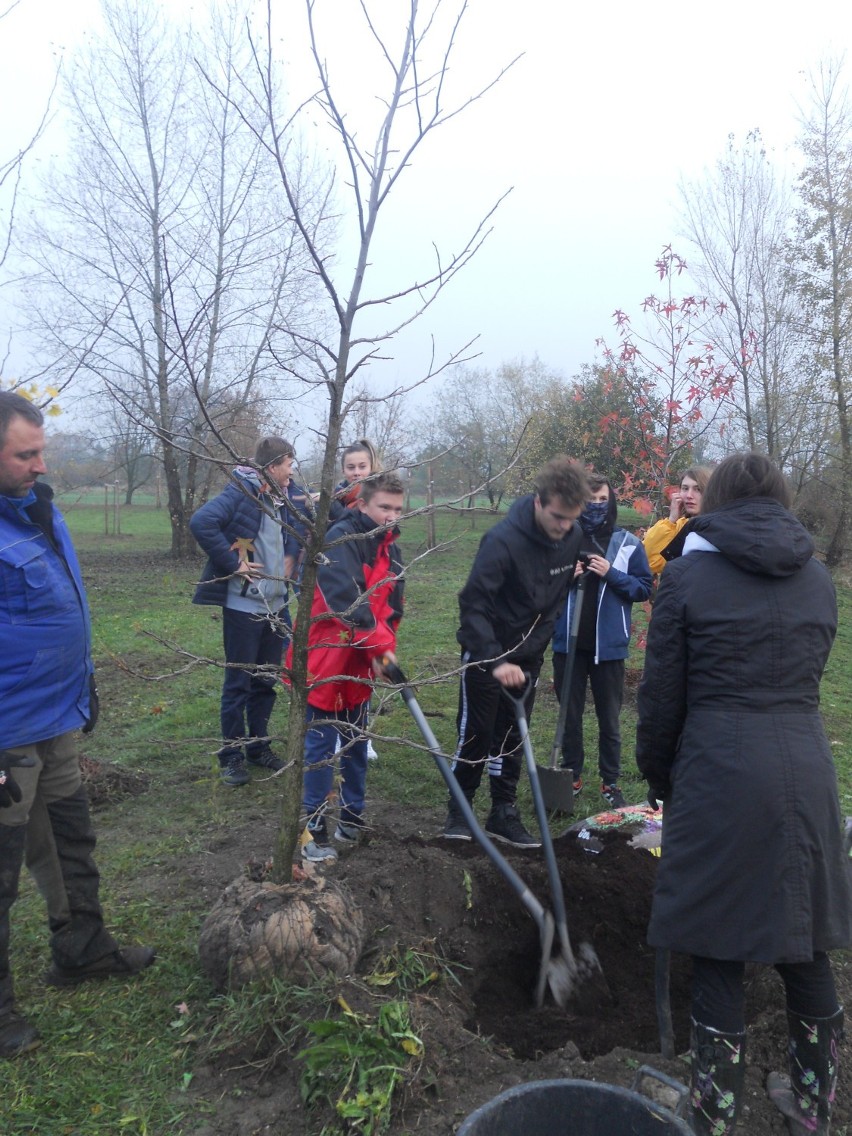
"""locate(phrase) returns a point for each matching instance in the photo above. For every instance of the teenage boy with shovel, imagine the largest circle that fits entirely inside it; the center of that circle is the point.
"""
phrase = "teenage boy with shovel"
(518, 583)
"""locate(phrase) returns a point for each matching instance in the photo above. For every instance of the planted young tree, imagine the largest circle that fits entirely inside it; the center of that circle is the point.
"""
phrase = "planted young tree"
(409, 52)
(674, 384)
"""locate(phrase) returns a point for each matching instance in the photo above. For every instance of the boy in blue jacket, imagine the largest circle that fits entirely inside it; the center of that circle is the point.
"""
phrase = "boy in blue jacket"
(251, 534)
(617, 576)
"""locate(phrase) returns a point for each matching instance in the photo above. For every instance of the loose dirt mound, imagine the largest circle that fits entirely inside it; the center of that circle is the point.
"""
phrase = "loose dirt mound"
(107, 783)
(485, 1034)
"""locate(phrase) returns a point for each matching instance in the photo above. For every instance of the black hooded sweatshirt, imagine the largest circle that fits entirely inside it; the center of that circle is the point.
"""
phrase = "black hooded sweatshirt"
(517, 584)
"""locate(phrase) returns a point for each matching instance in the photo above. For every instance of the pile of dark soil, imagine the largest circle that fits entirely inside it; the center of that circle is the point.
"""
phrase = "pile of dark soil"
(107, 783)
(483, 1033)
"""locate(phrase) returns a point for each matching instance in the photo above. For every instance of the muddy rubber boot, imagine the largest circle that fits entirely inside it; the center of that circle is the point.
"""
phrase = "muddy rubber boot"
(17, 1036)
(807, 1095)
(82, 948)
(716, 1086)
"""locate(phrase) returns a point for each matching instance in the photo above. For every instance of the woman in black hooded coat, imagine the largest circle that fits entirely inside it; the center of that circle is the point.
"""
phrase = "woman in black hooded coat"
(730, 738)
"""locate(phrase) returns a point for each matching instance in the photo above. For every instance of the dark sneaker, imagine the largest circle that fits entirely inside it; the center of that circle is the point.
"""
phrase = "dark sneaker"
(578, 786)
(504, 823)
(234, 773)
(126, 963)
(613, 796)
(265, 759)
(317, 847)
(17, 1036)
(456, 827)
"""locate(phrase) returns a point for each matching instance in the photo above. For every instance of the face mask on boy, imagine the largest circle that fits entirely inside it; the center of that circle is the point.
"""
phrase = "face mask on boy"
(593, 517)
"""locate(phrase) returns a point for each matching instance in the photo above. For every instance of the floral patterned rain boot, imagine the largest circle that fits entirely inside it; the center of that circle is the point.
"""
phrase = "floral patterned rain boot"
(716, 1087)
(806, 1096)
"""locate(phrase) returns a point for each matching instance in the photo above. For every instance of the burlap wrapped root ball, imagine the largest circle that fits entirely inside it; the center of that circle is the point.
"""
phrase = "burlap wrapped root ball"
(296, 931)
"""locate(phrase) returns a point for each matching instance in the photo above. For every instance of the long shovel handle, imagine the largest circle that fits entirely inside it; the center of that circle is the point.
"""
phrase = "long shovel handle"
(396, 676)
(565, 688)
(559, 912)
(662, 986)
(662, 997)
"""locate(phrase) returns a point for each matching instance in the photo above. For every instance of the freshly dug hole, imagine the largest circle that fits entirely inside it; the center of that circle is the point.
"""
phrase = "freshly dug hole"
(452, 890)
(297, 931)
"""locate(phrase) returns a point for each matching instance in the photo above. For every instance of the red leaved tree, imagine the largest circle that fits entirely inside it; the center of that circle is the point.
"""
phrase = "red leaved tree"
(673, 386)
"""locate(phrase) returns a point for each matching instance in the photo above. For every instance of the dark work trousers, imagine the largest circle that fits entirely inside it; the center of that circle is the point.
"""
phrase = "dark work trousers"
(248, 698)
(488, 732)
(718, 998)
(607, 682)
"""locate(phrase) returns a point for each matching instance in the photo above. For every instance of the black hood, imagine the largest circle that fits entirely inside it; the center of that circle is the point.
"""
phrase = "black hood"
(758, 535)
(601, 536)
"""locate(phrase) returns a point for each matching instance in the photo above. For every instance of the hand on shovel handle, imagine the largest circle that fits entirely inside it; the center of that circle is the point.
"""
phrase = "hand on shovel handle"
(387, 667)
(381, 665)
(510, 675)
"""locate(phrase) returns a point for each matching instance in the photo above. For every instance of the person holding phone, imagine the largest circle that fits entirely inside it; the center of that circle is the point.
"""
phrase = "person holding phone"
(662, 541)
(617, 576)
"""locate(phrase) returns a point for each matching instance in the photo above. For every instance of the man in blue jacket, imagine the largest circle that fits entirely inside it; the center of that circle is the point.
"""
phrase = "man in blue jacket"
(47, 692)
(617, 575)
(252, 536)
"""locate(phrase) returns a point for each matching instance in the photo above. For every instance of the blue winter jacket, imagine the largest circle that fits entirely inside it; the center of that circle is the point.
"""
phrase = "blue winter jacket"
(235, 514)
(627, 582)
(45, 637)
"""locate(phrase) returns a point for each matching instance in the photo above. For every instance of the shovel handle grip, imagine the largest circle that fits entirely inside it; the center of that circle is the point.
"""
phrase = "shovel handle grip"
(393, 672)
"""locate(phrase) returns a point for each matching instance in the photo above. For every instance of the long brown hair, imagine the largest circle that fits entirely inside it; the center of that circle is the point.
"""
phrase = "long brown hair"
(744, 475)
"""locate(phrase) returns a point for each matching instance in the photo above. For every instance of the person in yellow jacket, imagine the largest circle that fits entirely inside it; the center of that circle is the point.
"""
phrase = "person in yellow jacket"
(685, 504)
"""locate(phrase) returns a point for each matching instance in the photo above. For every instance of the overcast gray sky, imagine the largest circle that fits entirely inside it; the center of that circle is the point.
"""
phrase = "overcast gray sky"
(610, 105)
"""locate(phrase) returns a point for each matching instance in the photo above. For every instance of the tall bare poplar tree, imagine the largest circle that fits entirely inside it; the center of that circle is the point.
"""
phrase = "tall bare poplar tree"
(822, 267)
(738, 217)
(165, 270)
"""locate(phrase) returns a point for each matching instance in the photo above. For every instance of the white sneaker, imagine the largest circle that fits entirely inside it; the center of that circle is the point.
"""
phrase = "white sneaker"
(317, 853)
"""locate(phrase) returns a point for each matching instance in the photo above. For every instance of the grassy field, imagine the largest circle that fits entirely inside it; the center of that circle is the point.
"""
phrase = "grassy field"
(118, 1056)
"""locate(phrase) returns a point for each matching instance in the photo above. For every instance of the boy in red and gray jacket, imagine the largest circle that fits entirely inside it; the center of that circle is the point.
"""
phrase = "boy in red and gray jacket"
(356, 610)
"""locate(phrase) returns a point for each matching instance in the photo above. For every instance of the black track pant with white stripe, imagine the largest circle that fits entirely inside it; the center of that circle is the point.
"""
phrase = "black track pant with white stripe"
(488, 732)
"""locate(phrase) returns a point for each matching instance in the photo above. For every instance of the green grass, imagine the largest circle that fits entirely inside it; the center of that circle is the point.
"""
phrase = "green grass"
(118, 1055)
